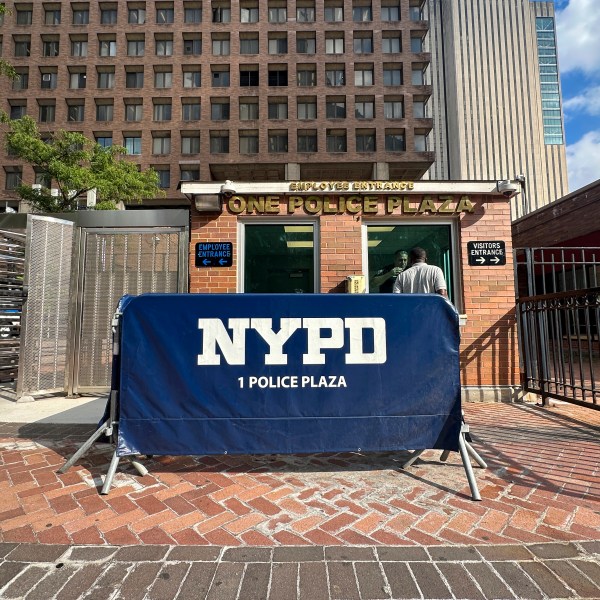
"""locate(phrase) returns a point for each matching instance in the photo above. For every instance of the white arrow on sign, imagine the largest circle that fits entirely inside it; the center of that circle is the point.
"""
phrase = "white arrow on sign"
(480, 260)
(495, 260)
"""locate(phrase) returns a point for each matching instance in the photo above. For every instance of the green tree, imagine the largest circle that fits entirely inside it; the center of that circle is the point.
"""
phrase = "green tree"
(74, 165)
(5, 67)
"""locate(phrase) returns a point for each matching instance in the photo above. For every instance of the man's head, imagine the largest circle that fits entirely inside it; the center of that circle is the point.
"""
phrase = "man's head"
(417, 254)
(400, 258)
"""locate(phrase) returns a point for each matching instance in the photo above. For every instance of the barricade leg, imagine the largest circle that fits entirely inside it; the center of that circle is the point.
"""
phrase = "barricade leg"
(138, 466)
(112, 468)
(103, 429)
(468, 468)
(412, 459)
(475, 456)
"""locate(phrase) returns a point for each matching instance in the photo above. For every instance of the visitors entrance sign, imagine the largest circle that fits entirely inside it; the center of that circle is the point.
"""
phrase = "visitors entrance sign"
(214, 254)
(486, 254)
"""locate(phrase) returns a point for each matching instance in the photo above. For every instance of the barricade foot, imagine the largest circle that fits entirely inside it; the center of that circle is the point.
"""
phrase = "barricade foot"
(112, 468)
(139, 467)
(468, 468)
(104, 429)
(412, 459)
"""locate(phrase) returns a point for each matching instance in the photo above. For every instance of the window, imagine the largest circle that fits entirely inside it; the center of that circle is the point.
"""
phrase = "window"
(278, 141)
(164, 177)
(221, 14)
(307, 141)
(421, 142)
(363, 43)
(104, 111)
(248, 77)
(248, 109)
(307, 76)
(417, 44)
(249, 14)
(335, 108)
(219, 142)
(307, 108)
(165, 16)
(49, 80)
(163, 79)
(336, 140)
(391, 43)
(189, 174)
(79, 47)
(392, 75)
(75, 112)
(104, 140)
(50, 48)
(362, 14)
(192, 14)
(190, 143)
(161, 143)
(134, 110)
(22, 47)
(277, 14)
(52, 16)
(220, 44)
(135, 47)
(248, 142)
(81, 16)
(334, 44)
(306, 43)
(47, 113)
(278, 108)
(278, 77)
(390, 13)
(106, 79)
(394, 142)
(279, 258)
(334, 14)
(364, 109)
(14, 178)
(17, 111)
(107, 47)
(192, 77)
(163, 46)
(418, 75)
(335, 76)
(21, 82)
(278, 43)
(134, 79)
(219, 110)
(365, 141)
(162, 110)
(108, 16)
(248, 43)
(136, 16)
(133, 144)
(24, 16)
(419, 109)
(190, 109)
(220, 76)
(363, 75)
(305, 14)
(393, 109)
(416, 11)
(77, 80)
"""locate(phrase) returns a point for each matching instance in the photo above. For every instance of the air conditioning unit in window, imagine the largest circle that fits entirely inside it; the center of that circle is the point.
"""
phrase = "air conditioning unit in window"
(46, 77)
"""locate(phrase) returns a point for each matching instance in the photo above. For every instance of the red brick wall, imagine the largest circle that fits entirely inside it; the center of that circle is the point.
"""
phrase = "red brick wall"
(489, 354)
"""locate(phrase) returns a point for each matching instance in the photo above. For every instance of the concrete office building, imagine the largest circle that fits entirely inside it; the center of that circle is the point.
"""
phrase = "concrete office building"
(496, 99)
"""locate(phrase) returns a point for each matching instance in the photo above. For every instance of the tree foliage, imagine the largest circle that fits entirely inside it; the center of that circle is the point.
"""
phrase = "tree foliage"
(74, 164)
(5, 67)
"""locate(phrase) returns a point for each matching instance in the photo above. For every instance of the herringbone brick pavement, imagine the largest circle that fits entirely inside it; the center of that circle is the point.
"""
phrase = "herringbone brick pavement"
(542, 484)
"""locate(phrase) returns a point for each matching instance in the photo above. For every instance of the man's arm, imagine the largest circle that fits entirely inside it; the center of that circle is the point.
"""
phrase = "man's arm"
(380, 278)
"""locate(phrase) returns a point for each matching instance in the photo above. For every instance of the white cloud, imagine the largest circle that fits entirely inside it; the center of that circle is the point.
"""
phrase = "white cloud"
(577, 27)
(583, 159)
(588, 102)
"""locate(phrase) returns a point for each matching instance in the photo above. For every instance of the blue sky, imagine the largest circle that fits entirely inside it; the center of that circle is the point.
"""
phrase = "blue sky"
(578, 39)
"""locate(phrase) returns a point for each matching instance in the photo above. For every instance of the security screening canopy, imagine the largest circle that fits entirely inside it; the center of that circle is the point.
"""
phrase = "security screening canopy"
(198, 374)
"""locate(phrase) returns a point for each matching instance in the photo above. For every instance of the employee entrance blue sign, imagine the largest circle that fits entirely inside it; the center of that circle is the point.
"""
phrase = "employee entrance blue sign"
(214, 254)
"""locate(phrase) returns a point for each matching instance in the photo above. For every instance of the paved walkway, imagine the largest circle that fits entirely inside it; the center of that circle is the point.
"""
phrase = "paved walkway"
(309, 526)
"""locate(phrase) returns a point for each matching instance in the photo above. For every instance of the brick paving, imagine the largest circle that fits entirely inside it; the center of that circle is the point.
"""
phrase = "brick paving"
(309, 526)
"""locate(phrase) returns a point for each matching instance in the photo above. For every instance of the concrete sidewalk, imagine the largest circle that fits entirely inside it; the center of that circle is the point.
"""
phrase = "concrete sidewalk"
(307, 526)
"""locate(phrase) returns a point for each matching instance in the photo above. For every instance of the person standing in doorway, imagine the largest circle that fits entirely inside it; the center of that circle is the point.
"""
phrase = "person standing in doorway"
(384, 278)
(420, 278)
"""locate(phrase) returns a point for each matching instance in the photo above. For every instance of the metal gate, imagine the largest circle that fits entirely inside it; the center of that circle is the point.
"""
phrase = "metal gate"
(113, 263)
(558, 312)
(12, 265)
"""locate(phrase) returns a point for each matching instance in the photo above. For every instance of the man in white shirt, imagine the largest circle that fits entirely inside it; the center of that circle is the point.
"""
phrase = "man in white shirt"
(421, 278)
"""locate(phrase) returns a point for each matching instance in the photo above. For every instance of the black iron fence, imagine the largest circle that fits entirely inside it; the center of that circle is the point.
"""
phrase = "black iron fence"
(558, 312)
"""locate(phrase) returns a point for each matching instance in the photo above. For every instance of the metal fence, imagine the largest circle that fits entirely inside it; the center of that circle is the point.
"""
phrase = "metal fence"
(558, 311)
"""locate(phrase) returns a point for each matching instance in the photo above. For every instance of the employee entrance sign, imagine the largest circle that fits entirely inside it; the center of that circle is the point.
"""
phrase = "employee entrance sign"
(486, 254)
(214, 254)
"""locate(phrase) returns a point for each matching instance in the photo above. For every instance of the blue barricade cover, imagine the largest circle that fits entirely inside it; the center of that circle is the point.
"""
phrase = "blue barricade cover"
(287, 373)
